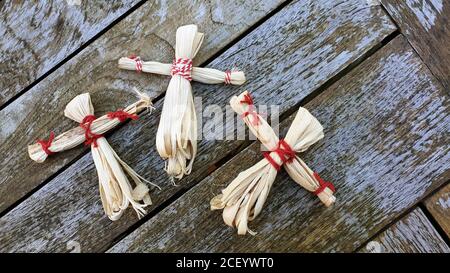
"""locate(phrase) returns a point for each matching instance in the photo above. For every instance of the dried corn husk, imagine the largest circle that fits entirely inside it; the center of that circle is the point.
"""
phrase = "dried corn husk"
(199, 74)
(116, 191)
(176, 139)
(75, 136)
(244, 198)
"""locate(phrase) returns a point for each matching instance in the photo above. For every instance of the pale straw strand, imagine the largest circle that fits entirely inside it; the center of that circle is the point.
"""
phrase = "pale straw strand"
(245, 196)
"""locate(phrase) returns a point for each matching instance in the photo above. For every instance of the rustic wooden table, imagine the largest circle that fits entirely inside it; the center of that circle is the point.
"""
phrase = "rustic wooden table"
(376, 75)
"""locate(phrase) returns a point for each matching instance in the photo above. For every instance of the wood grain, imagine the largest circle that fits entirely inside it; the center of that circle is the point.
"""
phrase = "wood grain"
(412, 234)
(385, 146)
(426, 25)
(37, 35)
(149, 32)
(439, 207)
(290, 53)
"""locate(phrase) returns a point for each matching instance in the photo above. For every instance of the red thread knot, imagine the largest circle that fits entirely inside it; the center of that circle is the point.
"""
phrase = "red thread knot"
(138, 61)
(251, 109)
(182, 67)
(247, 99)
(122, 115)
(45, 144)
(227, 77)
(323, 184)
(284, 151)
(90, 137)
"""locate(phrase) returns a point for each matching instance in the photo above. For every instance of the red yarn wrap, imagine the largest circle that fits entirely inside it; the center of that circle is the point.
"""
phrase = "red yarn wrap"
(227, 77)
(284, 151)
(122, 115)
(182, 67)
(45, 144)
(251, 109)
(86, 124)
(323, 184)
(138, 62)
(91, 138)
(247, 99)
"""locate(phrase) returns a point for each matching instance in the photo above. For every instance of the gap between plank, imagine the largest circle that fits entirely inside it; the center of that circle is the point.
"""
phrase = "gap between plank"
(233, 153)
(71, 55)
(175, 197)
(154, 100)
(230, 155)
(433, 220)
(235, 40)
(417, 204)
(388, 226)
(412, 46)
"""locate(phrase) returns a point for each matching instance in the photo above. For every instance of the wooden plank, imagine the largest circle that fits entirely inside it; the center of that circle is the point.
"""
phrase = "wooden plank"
(289, 53)
(425, 23)
(150, 32)
(439, 207)
(37, 35)
(412, 234)
(385, 146)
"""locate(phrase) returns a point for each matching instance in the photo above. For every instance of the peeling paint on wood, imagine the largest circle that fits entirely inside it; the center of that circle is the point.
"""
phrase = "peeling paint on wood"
(439, 207)
(426, 11)
(37, 35)
(412, 234)
(69, 204)
(386, 125)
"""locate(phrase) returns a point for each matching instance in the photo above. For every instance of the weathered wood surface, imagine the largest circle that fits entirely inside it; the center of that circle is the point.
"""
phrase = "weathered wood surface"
(149, 32)
(439, 207)
(386, 125)
(289, 54)
(425, 23)
(412, 234)
(37, 35)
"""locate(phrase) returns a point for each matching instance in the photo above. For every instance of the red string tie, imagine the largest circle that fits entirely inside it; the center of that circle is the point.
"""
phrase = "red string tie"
(251, 109)
(284, 151)
(138, 61)
(228, 77)
(182, 67)
(45, 144)
(247, 99)
(90, 137)
(122, 115)
(323, 184)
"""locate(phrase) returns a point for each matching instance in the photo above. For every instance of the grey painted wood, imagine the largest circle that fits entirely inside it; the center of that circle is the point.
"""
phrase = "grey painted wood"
(412, 234)
(281, 55)
(37, 35)
(439, 207)
(149, 32)
(385, 146)
(426, 25)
